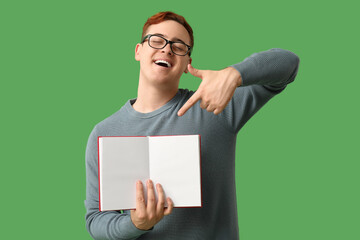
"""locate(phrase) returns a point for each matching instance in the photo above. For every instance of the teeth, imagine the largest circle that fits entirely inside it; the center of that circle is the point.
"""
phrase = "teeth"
(164, 62)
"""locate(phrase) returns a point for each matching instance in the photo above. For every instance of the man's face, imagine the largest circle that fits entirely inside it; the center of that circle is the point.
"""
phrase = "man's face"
(155, 73)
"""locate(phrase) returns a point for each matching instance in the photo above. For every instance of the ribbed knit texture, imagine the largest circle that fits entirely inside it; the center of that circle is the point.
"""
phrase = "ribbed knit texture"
(264, 75)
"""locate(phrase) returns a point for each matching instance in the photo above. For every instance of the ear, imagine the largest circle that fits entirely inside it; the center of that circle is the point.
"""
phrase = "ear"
(186, 69)
(137, 51)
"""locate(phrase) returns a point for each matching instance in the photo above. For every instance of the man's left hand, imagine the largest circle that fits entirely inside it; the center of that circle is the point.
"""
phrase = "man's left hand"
(215, 90)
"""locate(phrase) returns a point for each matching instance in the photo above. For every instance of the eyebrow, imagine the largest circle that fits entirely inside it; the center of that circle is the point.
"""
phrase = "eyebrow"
(175, 39)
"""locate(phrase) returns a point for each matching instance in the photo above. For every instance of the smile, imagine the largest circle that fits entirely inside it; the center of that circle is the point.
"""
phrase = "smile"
(163, 63)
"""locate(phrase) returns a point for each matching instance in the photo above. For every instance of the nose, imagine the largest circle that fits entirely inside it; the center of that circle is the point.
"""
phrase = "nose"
(167, 49)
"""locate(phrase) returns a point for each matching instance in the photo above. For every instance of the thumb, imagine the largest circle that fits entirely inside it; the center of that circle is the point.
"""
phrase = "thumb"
(195, 72)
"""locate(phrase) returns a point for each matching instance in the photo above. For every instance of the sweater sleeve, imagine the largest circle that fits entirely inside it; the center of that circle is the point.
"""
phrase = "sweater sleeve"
(103, 224)
(264, 75)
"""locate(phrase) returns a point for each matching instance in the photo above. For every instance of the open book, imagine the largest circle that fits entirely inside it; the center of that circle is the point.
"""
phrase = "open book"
(172, 161)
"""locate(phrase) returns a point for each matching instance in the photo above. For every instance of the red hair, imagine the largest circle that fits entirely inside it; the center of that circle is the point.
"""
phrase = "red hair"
(163, 16)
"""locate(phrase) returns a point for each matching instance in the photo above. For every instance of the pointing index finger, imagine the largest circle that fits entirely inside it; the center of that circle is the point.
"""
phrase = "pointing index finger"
(190, 102)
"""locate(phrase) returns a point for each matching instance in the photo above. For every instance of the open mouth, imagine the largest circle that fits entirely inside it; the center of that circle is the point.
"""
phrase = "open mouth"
(163, 63)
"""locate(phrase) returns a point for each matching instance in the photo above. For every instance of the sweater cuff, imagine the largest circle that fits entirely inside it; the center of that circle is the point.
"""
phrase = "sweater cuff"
(243, 69)
(131, 231)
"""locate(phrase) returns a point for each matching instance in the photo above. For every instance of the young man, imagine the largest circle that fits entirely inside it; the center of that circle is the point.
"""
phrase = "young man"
(223, 103)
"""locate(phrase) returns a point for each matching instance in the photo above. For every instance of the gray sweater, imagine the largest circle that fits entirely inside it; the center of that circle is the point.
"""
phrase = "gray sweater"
(264, 75)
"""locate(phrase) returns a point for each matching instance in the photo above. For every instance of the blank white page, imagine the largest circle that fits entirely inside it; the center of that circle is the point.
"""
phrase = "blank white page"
(122, 161)
(175, 164)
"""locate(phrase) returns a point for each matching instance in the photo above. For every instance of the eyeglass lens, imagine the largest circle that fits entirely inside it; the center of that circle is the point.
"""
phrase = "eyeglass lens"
(177, 47)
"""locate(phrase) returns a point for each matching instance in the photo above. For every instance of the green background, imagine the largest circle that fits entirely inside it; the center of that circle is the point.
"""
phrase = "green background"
(67, 65)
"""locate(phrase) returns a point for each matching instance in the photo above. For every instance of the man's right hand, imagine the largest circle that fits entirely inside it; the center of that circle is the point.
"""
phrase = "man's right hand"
(146, 215)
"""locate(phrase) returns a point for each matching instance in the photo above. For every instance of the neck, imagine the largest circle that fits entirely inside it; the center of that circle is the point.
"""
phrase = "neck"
(151, 98)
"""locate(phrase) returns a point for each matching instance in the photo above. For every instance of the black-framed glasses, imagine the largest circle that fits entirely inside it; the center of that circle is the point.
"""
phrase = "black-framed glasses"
(158, 42)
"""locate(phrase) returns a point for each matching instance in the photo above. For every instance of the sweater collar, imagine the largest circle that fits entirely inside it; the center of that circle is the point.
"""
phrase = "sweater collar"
(166, 106)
